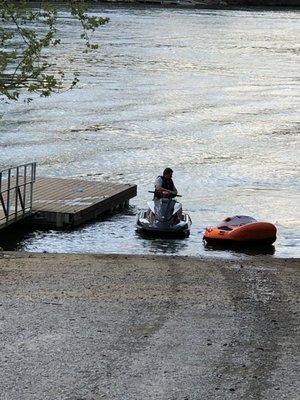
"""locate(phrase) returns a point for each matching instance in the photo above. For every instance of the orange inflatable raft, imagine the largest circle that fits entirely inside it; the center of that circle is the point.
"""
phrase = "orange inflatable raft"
(241, 229)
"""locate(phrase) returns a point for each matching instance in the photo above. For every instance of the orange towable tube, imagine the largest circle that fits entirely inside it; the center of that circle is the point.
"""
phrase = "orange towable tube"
(241, 229)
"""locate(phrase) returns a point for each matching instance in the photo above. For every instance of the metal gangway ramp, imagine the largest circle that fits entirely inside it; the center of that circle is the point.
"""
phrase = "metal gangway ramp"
(16, 193)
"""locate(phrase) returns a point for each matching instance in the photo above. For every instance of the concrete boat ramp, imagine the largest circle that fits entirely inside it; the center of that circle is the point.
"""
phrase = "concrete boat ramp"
(113, 327)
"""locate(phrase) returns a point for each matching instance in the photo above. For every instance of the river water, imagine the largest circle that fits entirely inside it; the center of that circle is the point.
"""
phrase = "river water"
(214, 94)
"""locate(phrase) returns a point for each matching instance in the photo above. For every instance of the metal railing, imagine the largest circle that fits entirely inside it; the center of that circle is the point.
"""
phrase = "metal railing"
(16, 192)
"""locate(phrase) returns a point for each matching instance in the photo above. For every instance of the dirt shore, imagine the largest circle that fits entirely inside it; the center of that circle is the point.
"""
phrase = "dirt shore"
(83, 327)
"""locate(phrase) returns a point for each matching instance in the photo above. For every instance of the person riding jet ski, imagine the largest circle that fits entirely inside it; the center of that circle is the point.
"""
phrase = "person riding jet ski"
(164, 215)
(164, 185)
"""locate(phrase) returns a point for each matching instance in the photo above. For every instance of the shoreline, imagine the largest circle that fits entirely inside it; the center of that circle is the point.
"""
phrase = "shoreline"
(17, 254)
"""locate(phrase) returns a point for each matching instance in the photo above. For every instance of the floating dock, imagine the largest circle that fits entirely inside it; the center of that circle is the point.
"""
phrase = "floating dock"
(68, 202)
(57, 202)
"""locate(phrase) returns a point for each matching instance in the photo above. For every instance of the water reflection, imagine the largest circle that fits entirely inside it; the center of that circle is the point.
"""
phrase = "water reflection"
(162, 245)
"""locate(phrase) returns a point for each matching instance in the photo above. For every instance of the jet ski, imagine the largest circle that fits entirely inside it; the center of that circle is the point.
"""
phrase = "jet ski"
(242, 230)
(164, 217)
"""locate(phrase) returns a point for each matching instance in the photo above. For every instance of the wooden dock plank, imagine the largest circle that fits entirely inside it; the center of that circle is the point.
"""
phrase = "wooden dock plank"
(61, 196)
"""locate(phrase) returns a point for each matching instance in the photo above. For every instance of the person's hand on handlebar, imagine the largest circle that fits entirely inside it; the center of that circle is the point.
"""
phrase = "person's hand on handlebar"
(166, 192)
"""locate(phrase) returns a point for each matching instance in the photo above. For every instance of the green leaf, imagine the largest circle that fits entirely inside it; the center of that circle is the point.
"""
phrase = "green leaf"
(26, 33)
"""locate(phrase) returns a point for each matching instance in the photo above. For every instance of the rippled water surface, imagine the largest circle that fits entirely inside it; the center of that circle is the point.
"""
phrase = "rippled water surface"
(212, 93)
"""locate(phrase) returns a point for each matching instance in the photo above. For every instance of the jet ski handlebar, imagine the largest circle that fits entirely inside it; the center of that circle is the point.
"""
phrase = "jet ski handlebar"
(175, 195)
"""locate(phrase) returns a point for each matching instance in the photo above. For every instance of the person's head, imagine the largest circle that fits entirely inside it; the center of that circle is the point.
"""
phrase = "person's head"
(168, 172)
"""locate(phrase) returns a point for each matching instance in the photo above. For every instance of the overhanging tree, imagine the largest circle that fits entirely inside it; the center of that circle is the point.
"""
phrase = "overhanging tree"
(27, 30)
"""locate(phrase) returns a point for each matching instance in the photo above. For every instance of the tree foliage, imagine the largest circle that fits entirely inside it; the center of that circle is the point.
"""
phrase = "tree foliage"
(27, 32)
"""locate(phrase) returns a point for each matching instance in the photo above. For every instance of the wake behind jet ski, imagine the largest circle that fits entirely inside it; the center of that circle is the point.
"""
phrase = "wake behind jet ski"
(164, 217)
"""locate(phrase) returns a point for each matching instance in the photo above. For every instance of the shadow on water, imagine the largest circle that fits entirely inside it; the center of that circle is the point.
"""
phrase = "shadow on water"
(12, 237)
(162, 244)
(250, 250)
